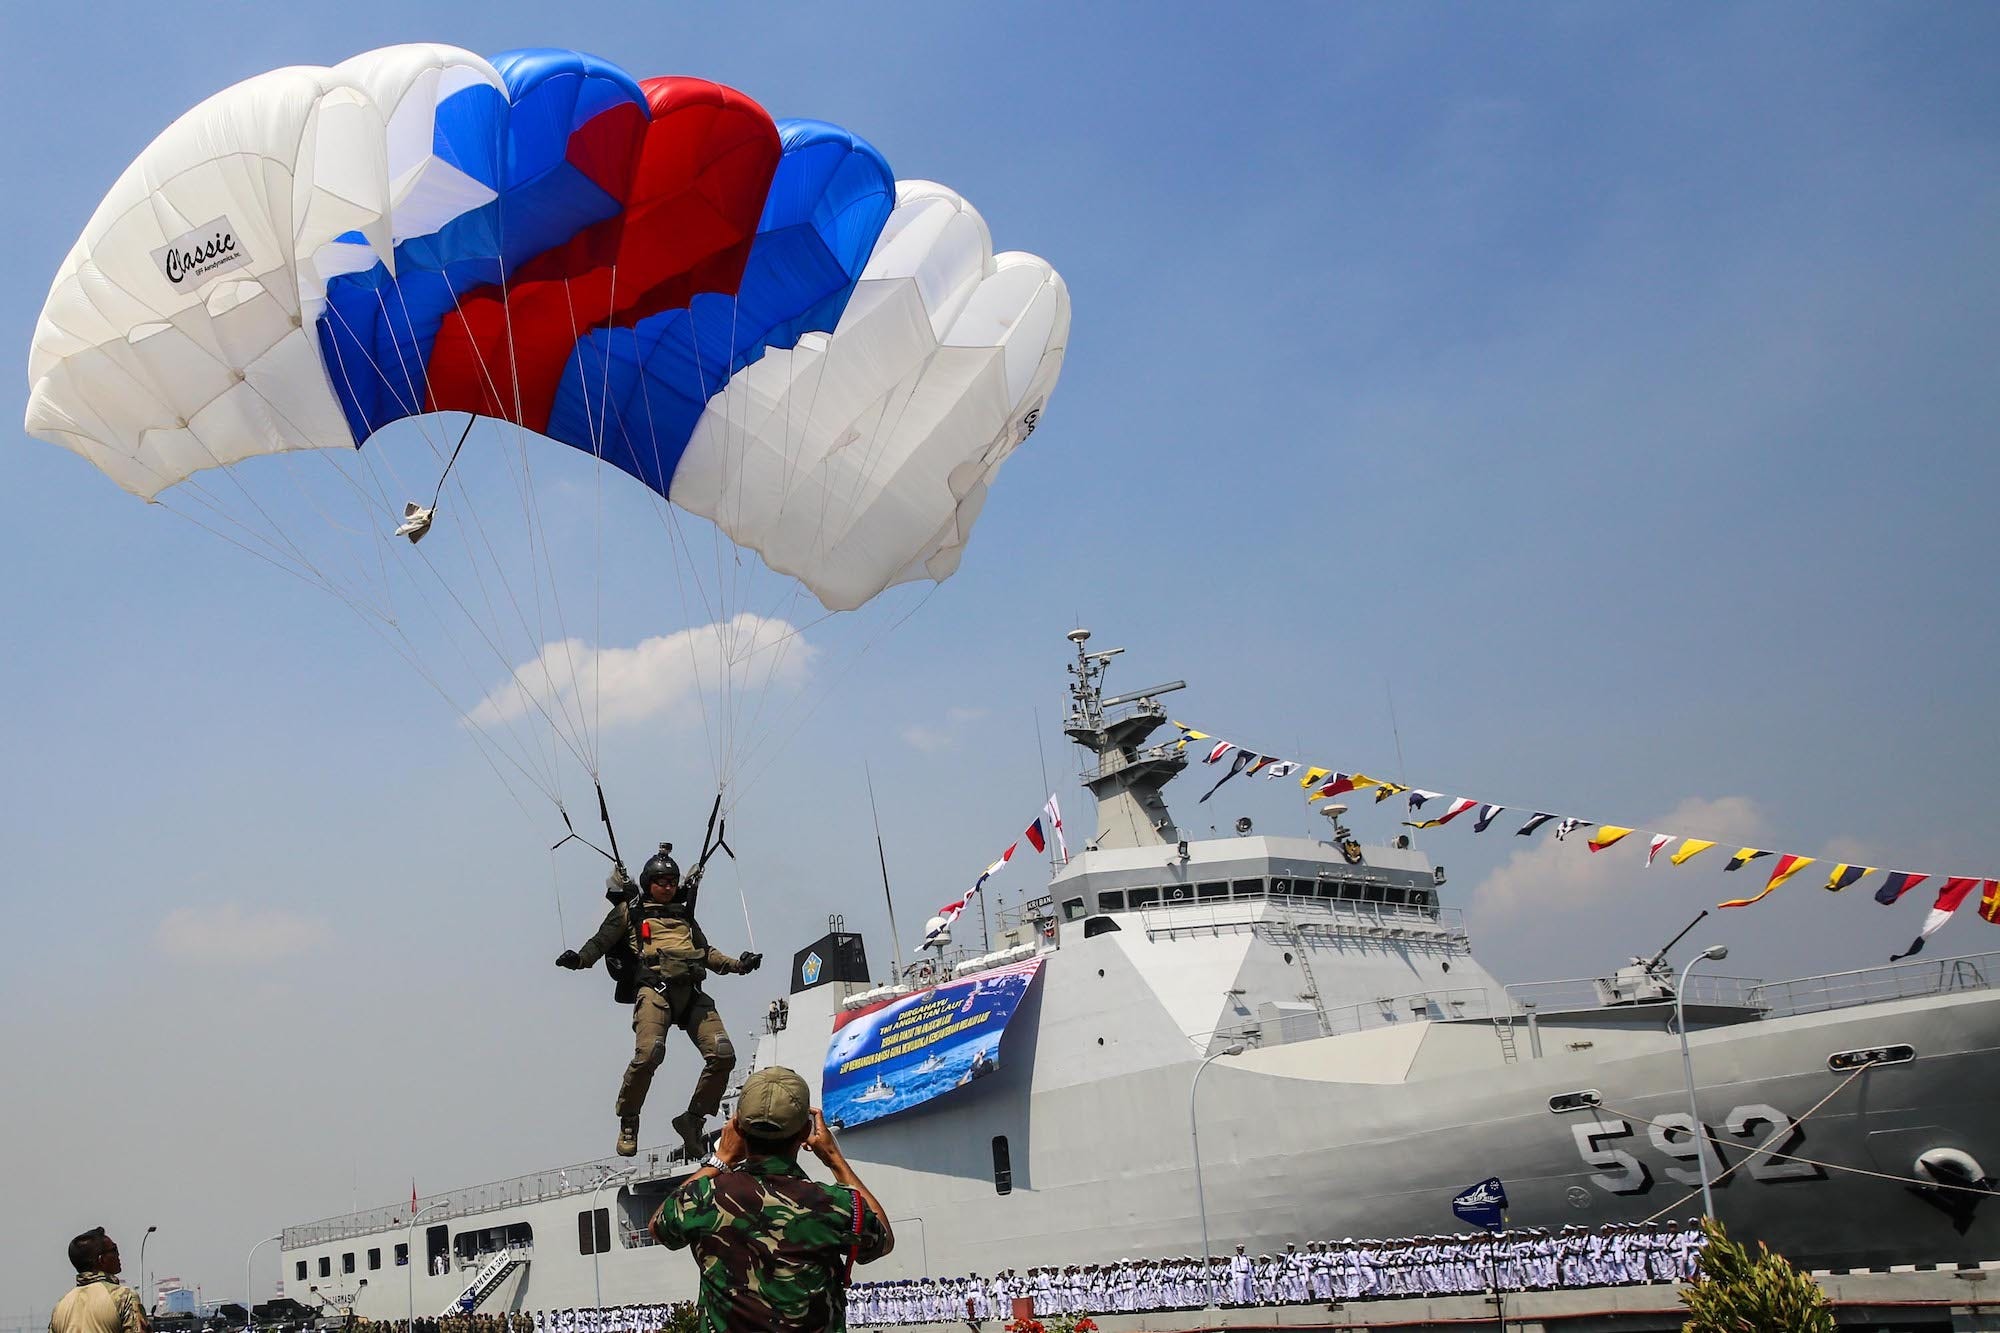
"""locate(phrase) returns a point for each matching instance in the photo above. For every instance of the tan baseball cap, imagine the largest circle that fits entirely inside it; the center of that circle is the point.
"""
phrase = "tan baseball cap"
(775, 1103)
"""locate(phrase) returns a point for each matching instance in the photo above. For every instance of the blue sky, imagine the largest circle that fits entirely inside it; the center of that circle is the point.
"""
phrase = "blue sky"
(1608, 390)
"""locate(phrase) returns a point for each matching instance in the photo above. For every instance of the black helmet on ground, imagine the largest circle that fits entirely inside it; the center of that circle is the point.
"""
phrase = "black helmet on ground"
(660, 866)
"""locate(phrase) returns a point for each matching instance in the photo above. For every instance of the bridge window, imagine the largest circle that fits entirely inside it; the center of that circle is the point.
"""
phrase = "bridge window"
(374, 1258)
(299, 1270)
(1072, 908)
(347, 1262)
(326, 1265)
(593, 1231)
(1247, 888)
(1003, 1166)
(1111, 901)
(1142, 897)
(1282, 888)
(1214, 889)
(1396, 894)
(1100, 925)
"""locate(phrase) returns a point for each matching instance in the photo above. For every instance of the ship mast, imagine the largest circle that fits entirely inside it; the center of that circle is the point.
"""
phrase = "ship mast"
(1127, 774)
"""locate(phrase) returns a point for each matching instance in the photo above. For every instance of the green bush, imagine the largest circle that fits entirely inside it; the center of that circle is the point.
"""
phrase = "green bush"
(1738, 1292)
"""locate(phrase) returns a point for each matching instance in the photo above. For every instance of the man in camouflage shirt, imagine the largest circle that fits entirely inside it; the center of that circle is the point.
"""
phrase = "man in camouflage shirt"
(774, 1245)
(97, 1304)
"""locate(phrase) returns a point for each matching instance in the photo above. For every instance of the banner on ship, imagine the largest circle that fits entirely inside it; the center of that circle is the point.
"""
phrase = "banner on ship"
(906, 1051)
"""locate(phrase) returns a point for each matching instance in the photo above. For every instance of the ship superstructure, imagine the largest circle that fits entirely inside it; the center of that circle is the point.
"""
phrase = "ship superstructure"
(1306, 1018)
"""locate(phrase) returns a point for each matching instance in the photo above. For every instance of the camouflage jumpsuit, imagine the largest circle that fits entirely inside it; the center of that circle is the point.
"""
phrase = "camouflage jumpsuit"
(674, 956)
(772, 1246)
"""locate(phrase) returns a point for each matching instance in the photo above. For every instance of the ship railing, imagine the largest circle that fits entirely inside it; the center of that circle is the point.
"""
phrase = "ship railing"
(1303, 1022)
(1311, 915)
(1585, 993)
(1416, 1007)
(556, 1183)
(1872, 985)
(1104, 768)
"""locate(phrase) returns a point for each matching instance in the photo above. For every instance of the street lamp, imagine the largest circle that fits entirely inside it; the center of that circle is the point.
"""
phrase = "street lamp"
(247, 1302)
(1194, 1139)
(596, 1278)
(144, 1285)
(409, 1266)
(1716, 952)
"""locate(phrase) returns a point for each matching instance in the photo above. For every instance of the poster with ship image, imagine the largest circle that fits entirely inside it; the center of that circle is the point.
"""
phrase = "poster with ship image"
(888, 1057)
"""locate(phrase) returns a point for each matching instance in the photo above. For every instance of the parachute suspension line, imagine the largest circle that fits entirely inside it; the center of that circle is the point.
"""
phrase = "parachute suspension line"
(470, 418)
(555, 888)
(683, 565)
(578, 743)
(537, 633)
(599, 428)
(546, 755)
(821, 696)
(483, 742)
(721, 622)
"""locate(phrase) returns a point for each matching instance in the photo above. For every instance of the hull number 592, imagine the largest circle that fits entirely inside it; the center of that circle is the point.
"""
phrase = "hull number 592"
(1617, 1150)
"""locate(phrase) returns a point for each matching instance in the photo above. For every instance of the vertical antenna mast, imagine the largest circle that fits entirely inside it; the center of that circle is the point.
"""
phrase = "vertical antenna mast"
(1043, 759)
(895, 938)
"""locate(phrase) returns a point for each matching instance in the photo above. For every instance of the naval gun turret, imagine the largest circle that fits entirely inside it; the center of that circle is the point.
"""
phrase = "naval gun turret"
(1644, 980)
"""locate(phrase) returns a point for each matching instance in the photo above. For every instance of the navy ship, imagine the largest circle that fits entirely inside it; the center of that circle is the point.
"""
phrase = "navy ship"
(1189, 1043)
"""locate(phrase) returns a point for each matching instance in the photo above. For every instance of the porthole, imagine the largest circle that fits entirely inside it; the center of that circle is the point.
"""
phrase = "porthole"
(1288, 957)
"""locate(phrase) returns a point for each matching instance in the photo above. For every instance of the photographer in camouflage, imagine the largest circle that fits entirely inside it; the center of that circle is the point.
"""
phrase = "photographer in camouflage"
(776, 1248)
(667, 957)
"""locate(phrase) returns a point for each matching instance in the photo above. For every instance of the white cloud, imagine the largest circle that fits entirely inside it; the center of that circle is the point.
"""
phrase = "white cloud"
(934, 738)
(230, 933)
(1551, 876)
(657, 676)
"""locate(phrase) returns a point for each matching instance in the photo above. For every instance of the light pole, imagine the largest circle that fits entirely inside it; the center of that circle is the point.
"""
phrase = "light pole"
(144, 1286)
(247, 1301)
(1194, 1140)
(409, 1266)
(1715, 952)
(596, 1277)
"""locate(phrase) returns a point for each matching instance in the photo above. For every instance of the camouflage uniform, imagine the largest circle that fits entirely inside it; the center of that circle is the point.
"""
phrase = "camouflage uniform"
(674, 956)
(98, 1305)
(772, 1245)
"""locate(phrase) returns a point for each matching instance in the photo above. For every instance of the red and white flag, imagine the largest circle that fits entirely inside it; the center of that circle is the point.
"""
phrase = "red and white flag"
(1054, 812)
(1956, 890)
(1653, 849)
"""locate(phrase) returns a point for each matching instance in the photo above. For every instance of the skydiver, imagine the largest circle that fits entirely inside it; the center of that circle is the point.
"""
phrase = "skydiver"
(670, 957)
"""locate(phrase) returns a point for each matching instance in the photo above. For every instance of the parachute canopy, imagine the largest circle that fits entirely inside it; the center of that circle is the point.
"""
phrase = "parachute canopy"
(540, 238)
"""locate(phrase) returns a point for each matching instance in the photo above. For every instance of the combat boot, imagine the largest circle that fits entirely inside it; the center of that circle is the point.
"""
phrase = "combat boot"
(628, 1136)
(689, 1125)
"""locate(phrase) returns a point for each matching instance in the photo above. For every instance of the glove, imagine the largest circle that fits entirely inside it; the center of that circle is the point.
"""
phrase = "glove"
(570, 959)
(693, 880)
(750, 962)
(618, 884)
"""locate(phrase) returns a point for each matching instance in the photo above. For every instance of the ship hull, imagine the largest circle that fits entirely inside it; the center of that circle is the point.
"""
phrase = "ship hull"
(1103, 1168)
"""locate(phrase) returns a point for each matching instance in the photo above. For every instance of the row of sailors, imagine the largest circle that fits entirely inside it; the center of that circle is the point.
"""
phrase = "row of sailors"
(609, 1319)
(1534, 1259)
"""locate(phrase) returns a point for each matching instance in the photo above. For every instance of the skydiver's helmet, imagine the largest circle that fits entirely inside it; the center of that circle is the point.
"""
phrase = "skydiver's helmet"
(660, 866)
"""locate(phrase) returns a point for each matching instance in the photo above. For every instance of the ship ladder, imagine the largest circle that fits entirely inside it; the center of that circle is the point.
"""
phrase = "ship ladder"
(486, 1282)
(1503, 1028)
(1305, 970)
